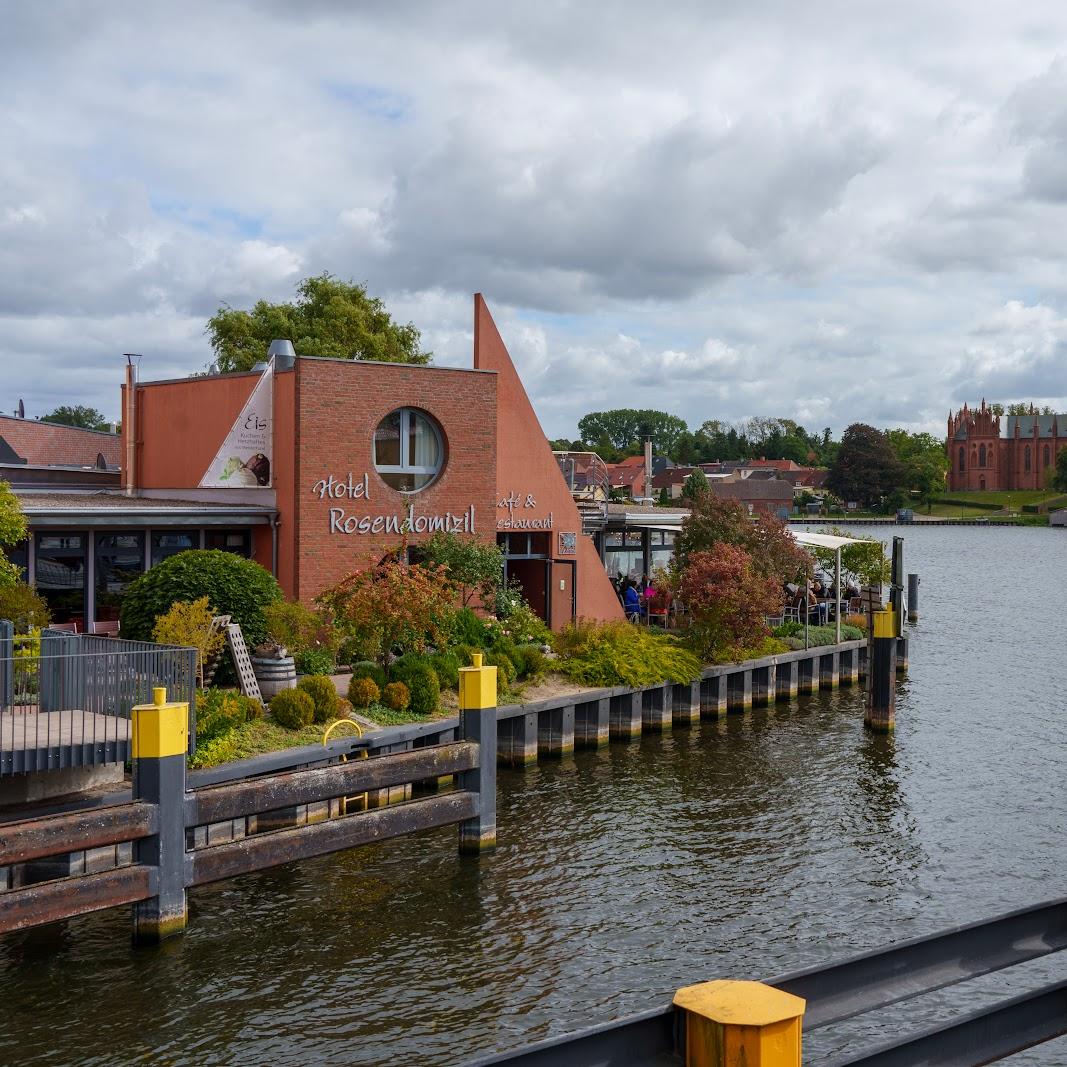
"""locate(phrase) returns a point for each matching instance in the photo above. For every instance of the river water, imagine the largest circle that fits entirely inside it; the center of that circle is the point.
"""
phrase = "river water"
(743, 848)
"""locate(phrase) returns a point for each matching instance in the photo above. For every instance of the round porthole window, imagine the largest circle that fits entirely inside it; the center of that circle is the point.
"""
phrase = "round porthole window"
(408, 450)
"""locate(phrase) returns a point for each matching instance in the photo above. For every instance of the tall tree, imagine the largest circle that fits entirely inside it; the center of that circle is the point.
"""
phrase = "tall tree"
(12, 531)
(330, 318)
(696, 484)
(626, 428)
(923, 462)
(866, 468)
(83, 417)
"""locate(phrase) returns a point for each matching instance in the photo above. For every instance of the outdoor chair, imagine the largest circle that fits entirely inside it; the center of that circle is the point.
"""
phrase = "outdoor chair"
(66, 627)
(105, 627)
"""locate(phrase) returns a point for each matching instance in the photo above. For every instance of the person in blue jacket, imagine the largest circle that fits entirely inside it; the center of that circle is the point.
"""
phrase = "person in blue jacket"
(631, 599)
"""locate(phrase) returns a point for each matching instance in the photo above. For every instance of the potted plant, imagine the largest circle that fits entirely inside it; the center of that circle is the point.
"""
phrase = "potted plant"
(274, 668)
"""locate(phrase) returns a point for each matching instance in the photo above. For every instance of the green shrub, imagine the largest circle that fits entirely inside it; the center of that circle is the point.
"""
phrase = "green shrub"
(323, 695)
(396, 696)
(617, 653)
(314, 661)
(218, 711)
(293, 708)
(464, 654)
(189, 626)
(352, 650)
(421, 680)
(367, 669)
(302, 631)
(362, 692)
(505, 668)
(823, 635)
(788, 629)
(531, 662)
(446, 667)
(466, 628)
(524, 626)
(234, 586)
(22, 605)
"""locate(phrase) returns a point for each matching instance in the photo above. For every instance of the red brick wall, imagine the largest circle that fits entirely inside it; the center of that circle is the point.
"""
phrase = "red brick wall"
(339, 406)
(526, 469)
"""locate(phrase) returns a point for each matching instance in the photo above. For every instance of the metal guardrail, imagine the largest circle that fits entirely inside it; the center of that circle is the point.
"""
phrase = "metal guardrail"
(67, 701)
(864, 983)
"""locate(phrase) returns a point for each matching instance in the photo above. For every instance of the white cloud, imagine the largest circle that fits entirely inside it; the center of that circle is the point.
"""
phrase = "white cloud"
(830, 212)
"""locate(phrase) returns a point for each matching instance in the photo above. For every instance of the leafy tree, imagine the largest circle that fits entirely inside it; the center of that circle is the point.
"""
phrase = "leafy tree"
(188, 624)
(696, 484)
(475, 568)
(1018, 408)
(84, 418)
(13, 529)
(997, 409)
(626, 428)
(865, 564)
(866, 468)
(728, 600)
(924, 463)
(1059, 479)
(392, 605)
(716, 520)
(330, 318)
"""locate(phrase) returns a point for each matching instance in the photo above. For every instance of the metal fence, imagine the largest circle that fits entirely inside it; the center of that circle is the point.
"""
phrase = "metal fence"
(66, 699)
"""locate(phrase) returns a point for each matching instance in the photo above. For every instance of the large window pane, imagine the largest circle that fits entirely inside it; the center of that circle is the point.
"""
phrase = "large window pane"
(237, 541)
(387, 441)
(119, 559)
(59, 574)
(418, 462)
(169, 543)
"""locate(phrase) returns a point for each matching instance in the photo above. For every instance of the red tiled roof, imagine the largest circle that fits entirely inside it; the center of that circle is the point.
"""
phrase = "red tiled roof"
(777, 464)
(49, 444)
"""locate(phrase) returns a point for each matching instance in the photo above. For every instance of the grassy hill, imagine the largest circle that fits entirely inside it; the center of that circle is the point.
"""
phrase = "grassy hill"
(954, 504)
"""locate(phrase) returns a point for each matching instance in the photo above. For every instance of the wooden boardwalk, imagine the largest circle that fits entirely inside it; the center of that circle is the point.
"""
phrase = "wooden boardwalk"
(26, 731)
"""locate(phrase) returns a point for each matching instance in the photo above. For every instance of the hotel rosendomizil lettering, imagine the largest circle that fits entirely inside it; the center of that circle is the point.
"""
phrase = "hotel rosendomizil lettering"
(332, 488)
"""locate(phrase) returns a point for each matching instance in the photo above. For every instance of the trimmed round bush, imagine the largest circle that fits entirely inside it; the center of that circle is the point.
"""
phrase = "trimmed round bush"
(321, 689)
(530, 661)
(234, 586)
(218, 711)
(366, 668)
(468, 629)
(446, 667)
(293, 708)
(422, 683)
(362, 692)
(396, 696)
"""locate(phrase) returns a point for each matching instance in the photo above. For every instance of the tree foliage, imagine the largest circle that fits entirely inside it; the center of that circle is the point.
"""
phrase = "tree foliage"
(393, 605)
(626, 428)
(188, 624)
(13, 529)
(234, 586)
(728, 600)
(84, 418)
(695, 484)
(1059, 479)
(330, 318)
(923, 462)
(475, 568)
(714, 520)
(866, 469)
(865, 563)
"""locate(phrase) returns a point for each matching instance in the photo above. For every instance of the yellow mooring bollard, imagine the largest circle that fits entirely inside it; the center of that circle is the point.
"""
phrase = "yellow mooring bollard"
(740, 1024)
(477, 722)
(159, 743)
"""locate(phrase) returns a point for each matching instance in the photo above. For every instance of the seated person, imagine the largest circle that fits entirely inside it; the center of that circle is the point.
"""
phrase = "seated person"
(631, 599)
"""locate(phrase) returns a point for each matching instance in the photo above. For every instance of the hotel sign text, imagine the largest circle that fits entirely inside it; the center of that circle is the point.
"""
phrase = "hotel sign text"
(348, 488)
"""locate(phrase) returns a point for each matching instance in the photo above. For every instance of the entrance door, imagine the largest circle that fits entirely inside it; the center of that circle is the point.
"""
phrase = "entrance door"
(563, 594)
(532, 576)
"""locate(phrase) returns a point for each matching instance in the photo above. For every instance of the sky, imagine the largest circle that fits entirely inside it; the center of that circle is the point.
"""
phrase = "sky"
(831, 212)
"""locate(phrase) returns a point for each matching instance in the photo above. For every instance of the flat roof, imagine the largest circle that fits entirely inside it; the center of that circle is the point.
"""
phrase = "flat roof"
(96, 508)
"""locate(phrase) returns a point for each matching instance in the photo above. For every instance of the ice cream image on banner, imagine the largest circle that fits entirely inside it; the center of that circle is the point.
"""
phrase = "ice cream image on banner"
(244, 459)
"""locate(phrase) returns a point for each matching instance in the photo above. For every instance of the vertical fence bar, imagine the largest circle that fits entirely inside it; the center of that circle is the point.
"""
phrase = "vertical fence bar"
(477, 722)
(160, 740)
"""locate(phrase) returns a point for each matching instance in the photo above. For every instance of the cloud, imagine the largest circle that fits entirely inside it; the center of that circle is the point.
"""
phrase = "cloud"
(816, 211)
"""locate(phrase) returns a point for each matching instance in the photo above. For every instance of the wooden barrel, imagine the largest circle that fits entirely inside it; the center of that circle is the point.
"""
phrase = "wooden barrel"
(274, 675)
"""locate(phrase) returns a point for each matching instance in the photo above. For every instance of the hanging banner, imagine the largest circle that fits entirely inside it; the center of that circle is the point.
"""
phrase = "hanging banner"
(244, 460)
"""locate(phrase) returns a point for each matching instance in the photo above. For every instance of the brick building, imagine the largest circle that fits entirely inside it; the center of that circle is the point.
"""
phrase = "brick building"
(988, 451)
(318, 467)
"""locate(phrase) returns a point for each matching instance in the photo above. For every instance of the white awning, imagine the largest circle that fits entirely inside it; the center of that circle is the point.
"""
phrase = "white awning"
(821, 540)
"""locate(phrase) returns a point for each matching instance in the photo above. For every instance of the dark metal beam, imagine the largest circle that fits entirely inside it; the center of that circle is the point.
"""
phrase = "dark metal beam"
(66, 897)
(979, 1038)
(250, 797)
(55, 835)
(283, 846)
(910, 968)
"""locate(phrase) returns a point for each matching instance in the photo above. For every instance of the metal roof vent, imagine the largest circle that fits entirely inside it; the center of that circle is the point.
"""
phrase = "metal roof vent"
(259, 367)
(284, 354)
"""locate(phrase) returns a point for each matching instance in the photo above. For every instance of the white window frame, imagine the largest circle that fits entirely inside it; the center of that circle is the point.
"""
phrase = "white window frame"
(407, 468)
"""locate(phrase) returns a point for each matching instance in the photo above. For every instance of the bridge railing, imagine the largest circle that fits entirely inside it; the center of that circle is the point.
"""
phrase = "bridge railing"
(830, 994)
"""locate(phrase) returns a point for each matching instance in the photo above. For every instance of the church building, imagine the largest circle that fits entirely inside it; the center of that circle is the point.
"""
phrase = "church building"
(988, 451)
